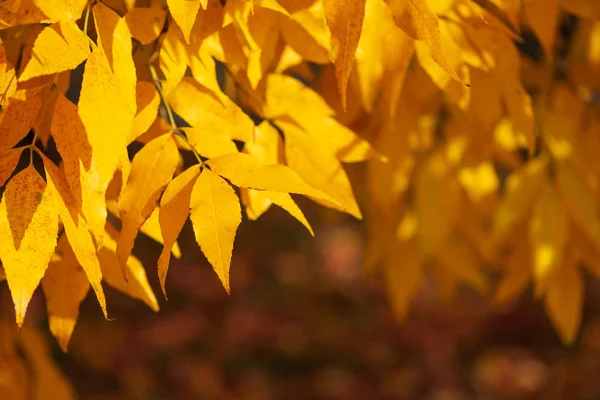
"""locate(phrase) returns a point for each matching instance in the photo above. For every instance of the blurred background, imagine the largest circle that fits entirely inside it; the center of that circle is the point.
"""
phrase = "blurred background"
(304, 322)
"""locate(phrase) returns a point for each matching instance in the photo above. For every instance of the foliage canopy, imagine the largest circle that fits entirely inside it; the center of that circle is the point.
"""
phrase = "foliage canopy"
(477, 124)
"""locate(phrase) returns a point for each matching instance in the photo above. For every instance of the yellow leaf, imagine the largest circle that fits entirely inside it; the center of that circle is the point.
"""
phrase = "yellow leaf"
(18, 117)
(548, 234)
(173, 212)
(28, 231)
(20, 12)
(8, 77)
(319, 169)
(378, 33)
(202, 109)
(76, 229)
(59, 47)
(564, 300)
(61, 10)
(210, 144)
(304, 102)
(580, 201)
(173, 58)
(437, 200)
(107, 119)
(244, 170)
(145, 24)
(403, 273)
(148, 101)
(115, 39)
(216, 214)
(418, 21)
(461, 260)
(49, 382)
(457, 89)
(345, 20)
(65, 286)
(8, 163)
(152, 168)
(184, 13)
(522, 187)
(305, 31)
(152, 229)
(72, 143)
(136, 285)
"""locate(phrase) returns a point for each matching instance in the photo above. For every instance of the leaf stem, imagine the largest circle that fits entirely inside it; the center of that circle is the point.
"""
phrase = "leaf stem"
(174, 129)
(86, 21)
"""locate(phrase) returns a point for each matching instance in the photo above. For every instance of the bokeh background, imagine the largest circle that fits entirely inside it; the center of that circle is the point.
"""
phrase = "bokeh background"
(304, 321)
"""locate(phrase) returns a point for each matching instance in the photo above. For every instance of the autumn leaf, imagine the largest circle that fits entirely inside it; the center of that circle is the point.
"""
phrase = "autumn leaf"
(173, 212)
(152, 168)
(145, 24)
(108, 121)
(564, 300)
(61, 10)
(243, 170)
(136, 285)
(48, 378)
(184, 13)
(215, 214)
(59, 47)
(76, 229)
(418, 21)
(203, 110)
(345, 20)
(65, 286)
(28, 235)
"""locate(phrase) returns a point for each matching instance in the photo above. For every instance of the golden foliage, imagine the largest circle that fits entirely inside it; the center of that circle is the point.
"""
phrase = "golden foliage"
(480, 149)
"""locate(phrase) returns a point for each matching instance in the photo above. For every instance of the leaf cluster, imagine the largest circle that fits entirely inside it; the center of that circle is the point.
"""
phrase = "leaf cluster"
(479, 146)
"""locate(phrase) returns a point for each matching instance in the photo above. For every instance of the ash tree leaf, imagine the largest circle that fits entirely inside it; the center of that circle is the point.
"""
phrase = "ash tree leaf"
(184, 13)
(151, 170)
(60, 47)
(8, 163)
(48, 378)
(152, 229)
(417, 19)
(345, 21)
(61, 10)
(72, 143)
(77, 230)
(18, 117)
(173, 212)
(147, 104)
(145, 24)
(114, 39)
(215, 213)
(548, 234)
(320, 169)
(267, 147)
(108, 121)
(136, 285)
(564, 300)
(210, 144)
(28, 235)
(204, 110)
(246, 171)
(65, 286)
